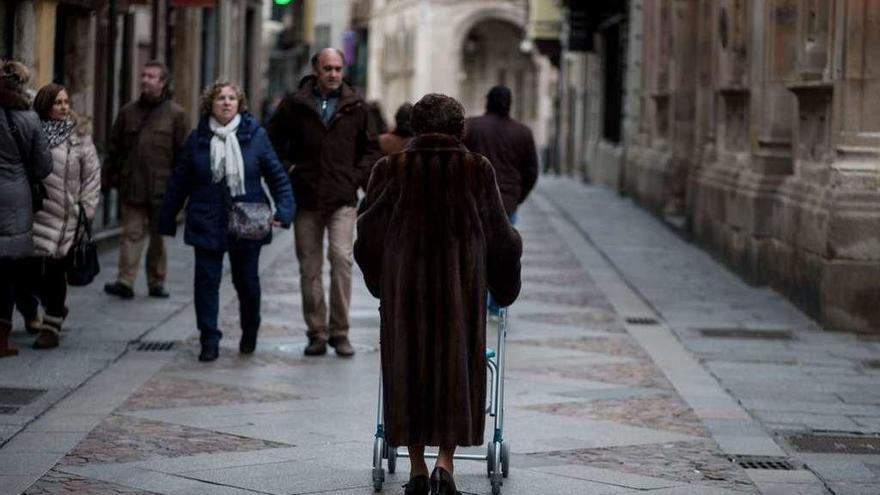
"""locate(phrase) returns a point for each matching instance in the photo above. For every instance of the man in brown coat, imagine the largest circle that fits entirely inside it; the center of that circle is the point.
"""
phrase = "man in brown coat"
(324, 134)
(433, 238)
(510, 148)
(146, 134)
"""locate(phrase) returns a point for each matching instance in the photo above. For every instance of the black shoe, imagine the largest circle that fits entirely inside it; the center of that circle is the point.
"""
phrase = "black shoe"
(248, 343)
(442, 483)
(316, 347)
(342, 345)
(159, 291)
(418, 485)
(209, 353)
(119, 289)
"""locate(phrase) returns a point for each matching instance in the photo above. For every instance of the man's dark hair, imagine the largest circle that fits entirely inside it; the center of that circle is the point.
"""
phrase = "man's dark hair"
(318, 54)
(164, 71)
(498, 101)
(438, 113)
(403, 120)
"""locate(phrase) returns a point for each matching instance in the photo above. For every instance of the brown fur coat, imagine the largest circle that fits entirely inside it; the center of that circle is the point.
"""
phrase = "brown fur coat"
(432, 239)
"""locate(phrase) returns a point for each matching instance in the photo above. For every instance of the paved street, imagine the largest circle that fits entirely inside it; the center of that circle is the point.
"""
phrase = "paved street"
(636, 364)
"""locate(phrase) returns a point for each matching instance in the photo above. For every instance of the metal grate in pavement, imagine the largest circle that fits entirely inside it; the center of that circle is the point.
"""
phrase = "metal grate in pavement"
(8, 410)
(763, 462)
(835, 444)
(641, 320)
(747, 333)
(154, 346)
(19, 396)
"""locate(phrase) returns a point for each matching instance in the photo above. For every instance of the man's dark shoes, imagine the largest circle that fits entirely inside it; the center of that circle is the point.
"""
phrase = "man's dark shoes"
(248, 343)
(316, 347)
(209, 353)
(342, 345)
(442, 482)
(159, 291)
(119, 289)
(418, 485)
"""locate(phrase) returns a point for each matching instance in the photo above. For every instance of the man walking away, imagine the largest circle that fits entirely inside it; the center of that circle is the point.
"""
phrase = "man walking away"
(510, 148)
(146, 134)
(325, 135)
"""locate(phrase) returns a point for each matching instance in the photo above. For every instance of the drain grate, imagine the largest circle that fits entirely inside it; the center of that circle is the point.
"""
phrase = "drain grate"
(641, 320)
(746, 333)
(156, 346)
(19, 396)
(835, 444)
(8, 410)
(763, 462)
(871, 363)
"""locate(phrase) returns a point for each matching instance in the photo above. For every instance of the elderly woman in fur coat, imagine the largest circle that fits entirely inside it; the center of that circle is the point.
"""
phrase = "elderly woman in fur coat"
(432, 239)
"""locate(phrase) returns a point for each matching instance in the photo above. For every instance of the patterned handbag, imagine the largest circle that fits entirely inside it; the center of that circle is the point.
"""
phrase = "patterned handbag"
(251, 221)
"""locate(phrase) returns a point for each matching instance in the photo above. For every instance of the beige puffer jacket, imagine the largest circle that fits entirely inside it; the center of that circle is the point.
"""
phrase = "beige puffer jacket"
(75, 178)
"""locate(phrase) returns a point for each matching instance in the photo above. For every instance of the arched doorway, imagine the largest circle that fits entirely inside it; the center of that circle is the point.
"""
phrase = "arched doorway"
(491, 55)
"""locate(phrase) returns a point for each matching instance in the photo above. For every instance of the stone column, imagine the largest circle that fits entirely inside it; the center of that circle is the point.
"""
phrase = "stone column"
(831, 216)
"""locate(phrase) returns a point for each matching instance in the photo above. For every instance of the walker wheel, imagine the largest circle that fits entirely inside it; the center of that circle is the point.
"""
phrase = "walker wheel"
(490, 458)
(505, 459)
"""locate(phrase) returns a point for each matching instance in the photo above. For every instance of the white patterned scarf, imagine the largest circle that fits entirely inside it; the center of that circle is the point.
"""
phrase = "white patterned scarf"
(226, 159)
(57, 131)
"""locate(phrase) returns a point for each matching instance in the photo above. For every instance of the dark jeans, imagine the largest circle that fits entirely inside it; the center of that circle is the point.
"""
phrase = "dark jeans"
(245, 278)
(495, 309)
(46, 283)
(12, 270)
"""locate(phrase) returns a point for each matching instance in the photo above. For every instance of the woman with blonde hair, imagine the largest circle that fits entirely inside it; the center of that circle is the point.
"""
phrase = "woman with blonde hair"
(221, 168)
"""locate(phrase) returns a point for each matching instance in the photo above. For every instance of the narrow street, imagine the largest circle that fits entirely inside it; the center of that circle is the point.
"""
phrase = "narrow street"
(636, 364)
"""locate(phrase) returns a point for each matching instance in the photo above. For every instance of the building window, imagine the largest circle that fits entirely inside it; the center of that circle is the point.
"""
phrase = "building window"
(322, 36)
(612, 58)
(7, 25)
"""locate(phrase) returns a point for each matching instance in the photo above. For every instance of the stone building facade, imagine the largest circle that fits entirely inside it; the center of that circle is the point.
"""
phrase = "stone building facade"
(752, 125)
(460, 48)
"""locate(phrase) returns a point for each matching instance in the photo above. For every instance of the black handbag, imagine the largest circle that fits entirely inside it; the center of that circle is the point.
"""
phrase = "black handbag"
(82, 259)
(38, 189)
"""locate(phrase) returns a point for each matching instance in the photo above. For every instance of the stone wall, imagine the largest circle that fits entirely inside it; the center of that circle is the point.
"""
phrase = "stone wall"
(756, 123)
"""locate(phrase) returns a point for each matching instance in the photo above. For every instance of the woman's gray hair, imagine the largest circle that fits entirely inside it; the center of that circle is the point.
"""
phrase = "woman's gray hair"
(436, 113)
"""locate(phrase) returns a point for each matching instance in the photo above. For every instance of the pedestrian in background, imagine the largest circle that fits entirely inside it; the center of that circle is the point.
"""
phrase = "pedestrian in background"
(510, 148)
(145, 136)
(432, 239)
(396, 140)
(324, 134)
(72, 189)
(24, 156)
(225, 160)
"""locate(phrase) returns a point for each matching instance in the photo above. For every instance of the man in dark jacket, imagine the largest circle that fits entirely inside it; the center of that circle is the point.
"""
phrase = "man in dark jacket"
(146, 134)
(24, 156)
(510, 148)
(324, 134)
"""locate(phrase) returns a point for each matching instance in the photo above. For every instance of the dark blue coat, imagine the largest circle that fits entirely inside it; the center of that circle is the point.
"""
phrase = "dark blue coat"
(207, 214)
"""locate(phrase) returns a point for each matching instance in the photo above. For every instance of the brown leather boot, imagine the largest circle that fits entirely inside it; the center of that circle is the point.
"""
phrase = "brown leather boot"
(7, 346)
(48, 337)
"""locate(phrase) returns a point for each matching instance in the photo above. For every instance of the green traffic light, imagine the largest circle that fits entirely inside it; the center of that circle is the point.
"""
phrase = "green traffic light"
(283, 2)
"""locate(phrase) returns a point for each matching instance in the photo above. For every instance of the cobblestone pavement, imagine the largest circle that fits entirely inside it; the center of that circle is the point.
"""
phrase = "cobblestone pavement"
(594, 405)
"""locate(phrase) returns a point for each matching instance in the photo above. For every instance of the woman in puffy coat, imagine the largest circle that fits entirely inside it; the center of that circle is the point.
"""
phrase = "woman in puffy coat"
(225, 160)
(23, 153)
(73, 186)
